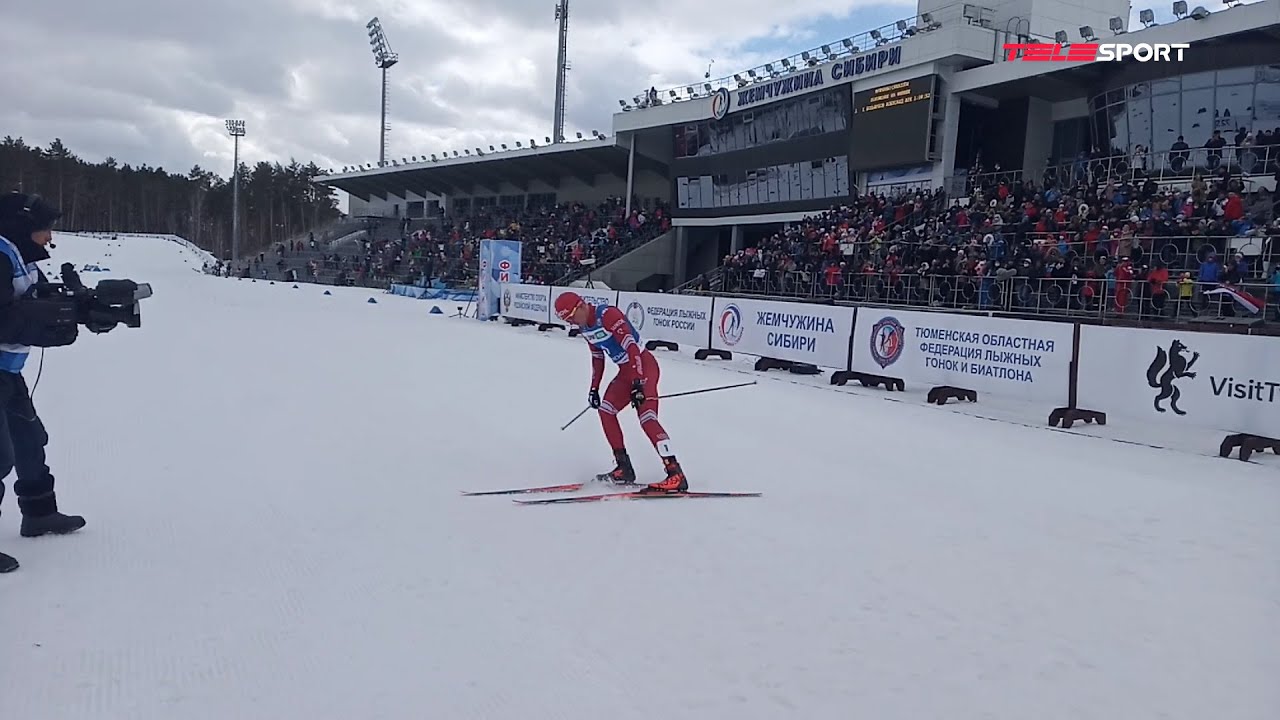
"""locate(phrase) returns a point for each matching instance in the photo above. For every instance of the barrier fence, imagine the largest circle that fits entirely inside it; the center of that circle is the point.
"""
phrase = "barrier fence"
(1147, 298)
(1081, 373)
(1251, 163)
(446, 294)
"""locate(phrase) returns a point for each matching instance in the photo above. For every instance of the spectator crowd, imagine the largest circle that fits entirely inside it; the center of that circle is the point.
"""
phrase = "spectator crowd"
(1085, 240)
(444, 251)
(1121, 247)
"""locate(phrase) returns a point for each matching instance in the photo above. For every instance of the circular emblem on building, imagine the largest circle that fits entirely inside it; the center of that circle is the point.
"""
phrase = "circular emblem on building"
(887, 341)
(720, 103)
(635, 313)
(730, 325)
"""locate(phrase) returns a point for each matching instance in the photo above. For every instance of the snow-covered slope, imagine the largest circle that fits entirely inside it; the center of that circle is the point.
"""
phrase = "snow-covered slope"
(271, 479)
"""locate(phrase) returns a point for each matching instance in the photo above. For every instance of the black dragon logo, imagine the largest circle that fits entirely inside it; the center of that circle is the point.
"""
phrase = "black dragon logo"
(1175, 367)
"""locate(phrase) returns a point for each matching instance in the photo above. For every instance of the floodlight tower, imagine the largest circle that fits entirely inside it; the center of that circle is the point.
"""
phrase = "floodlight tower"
(562, 70)
(384, 59)
(235, 128)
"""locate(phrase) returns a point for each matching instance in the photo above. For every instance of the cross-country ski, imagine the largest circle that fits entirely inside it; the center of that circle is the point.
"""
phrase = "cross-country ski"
(637, 495)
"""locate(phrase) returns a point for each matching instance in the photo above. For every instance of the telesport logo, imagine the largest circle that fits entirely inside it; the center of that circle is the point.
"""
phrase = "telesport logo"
(1094, 52)
(731, 325)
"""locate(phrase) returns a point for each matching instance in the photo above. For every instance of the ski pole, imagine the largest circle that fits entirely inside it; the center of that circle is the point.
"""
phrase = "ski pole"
(664, 397)
(575, 417)
(705, 390)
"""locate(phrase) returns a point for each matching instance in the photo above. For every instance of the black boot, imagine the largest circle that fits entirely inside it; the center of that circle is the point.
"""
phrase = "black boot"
(55, 523)
(40, 516)
(623, 474)
(7, 564)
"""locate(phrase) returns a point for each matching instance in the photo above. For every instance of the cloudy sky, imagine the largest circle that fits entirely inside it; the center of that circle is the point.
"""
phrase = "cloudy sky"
(151, 81)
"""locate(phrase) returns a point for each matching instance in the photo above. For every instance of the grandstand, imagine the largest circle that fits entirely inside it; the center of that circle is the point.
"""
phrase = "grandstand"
(1174, 163)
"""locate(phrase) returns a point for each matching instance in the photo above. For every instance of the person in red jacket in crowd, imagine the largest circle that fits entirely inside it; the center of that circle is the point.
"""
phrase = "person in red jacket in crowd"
(1124, 283)
(608, 332)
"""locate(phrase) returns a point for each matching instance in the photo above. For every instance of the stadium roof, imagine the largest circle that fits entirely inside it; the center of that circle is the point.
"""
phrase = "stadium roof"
(484, 173)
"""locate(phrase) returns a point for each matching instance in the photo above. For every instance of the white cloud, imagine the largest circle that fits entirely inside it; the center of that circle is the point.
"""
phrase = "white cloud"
(150, 81)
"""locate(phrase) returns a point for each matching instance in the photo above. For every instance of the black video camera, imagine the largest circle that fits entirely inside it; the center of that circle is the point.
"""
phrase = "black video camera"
(99, 308)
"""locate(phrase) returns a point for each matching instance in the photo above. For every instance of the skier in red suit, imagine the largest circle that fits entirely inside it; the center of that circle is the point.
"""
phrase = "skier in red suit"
(608, 332)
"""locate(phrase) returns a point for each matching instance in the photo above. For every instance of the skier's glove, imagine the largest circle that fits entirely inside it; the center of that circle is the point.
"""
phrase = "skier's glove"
(593, 398)
(637, 393)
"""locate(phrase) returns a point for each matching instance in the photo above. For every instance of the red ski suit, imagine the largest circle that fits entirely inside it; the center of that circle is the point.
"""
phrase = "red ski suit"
(614, 333)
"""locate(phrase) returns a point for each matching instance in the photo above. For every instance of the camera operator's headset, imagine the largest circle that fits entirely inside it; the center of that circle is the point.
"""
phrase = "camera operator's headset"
(30, 210)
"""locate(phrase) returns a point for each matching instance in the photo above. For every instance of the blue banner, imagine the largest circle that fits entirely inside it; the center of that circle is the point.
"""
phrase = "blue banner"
(421, 293)
(499, 263)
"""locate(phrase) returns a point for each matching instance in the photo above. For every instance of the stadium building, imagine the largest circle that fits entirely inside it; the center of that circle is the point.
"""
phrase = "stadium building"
(935, 101)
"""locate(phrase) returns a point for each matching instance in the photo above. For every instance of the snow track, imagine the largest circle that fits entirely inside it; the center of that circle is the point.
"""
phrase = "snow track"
(271, 481)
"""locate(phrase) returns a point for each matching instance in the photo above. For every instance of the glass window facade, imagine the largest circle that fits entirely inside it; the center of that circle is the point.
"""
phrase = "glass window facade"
(1243, 104)
(789, 182)
(807, 116)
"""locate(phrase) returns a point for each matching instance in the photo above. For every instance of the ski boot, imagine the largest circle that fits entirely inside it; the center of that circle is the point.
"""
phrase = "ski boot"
(675, 482)
(623, 474)
(55, 523)
(7, 564)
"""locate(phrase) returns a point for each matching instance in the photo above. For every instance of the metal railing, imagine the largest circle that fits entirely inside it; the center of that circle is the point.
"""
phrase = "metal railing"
(1186, 252)
(1170, 166)
(868, 41)
(713, 279)
(1176, 253)
(1101, 298)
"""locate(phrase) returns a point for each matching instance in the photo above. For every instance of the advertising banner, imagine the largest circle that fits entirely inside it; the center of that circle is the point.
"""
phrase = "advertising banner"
(526, 302)
(799, 332)
(499, 263)
(683, 319)
(422, 293)
(1210, 380)
(595, 297)
(1026, 358)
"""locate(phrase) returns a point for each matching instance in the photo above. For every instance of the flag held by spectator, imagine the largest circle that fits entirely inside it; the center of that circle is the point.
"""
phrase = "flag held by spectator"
(1250, 303)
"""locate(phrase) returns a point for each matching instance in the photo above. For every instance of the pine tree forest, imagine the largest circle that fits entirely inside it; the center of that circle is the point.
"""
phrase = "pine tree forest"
(277, 202)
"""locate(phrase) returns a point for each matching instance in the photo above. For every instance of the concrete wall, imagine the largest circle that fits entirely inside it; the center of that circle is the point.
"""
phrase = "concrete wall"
(704, 255)
(1070, 109)
(387, 208)
(1042, 18)
(662, 256)
(1038, 145)
(658, 144)
(1050, 16)
(653, 258)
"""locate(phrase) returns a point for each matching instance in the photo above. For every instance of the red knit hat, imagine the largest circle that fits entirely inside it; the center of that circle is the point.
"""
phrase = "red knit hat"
(566, 304)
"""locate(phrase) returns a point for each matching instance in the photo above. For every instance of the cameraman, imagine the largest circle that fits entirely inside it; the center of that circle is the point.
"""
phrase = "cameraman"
(26, 227)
